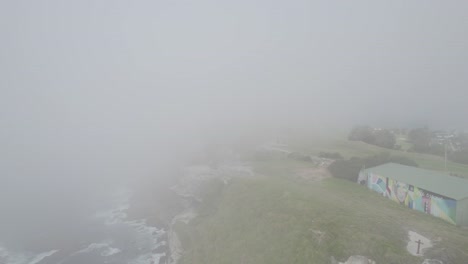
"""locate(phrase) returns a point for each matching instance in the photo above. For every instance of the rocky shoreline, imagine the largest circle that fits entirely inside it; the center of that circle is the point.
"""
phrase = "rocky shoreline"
(164, 203)
(189, 189)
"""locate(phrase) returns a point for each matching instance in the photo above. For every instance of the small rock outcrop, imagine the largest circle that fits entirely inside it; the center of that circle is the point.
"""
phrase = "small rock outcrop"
(432, 261)
(358, 260)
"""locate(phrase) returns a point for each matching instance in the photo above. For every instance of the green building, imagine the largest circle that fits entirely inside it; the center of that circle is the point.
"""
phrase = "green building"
(431, 192)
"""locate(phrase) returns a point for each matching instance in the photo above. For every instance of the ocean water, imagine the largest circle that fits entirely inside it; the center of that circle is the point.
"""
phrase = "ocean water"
(102, 235)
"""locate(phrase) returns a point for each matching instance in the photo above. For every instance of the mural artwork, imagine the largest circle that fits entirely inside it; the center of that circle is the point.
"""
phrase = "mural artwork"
(414, 197)
(377, 183)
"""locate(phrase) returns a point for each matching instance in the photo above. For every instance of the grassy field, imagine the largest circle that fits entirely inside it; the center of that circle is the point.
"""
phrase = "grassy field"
(278, 218)
(360, 149)
(402, 140)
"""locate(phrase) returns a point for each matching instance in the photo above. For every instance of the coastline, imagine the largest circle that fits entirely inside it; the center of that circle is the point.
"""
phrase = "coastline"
(165, 205)
(158, 205)
(191, 189)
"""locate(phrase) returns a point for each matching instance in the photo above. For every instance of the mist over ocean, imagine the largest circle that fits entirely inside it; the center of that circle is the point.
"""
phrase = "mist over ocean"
(94, 229)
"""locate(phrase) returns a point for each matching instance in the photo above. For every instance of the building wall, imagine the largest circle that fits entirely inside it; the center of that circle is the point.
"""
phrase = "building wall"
(362, 177)
(414, 197)
(462, 212)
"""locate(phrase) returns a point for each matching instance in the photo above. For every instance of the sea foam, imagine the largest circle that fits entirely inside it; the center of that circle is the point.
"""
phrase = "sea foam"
(104, 249)
(149, 236)
(9, 257)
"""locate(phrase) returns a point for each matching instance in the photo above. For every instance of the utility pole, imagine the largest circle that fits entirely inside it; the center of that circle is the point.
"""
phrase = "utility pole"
(445, 146)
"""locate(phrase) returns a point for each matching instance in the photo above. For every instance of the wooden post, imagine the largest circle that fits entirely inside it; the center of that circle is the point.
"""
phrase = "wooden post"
(419, 245)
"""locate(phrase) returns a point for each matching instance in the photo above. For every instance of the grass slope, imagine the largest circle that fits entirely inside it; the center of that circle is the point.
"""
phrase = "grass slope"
(360, 149)
(281, 219)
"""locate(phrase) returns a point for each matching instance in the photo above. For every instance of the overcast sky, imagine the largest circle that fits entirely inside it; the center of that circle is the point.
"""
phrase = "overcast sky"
(102, 87)
(70, 63)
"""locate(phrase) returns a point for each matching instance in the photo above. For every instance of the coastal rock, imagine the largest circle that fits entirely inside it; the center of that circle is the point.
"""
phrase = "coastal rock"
(432, 261)
(358, 260)
(333, 260)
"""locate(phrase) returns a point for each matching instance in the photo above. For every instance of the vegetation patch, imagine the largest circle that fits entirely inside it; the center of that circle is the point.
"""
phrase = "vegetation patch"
(350, 149)
(277, 219)
(349, 169)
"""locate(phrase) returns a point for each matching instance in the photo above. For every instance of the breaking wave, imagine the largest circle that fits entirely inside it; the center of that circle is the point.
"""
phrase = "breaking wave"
(9, 257)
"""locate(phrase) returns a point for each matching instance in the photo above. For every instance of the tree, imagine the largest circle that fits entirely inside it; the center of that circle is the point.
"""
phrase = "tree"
(362, 133)
(461, 140)
(384, 138)
(421, 139)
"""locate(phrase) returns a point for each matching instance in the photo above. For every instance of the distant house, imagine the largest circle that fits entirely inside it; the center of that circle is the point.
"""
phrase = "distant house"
(431, 192)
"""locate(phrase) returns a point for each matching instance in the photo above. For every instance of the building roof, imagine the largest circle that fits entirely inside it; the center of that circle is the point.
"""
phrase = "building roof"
(433, 181)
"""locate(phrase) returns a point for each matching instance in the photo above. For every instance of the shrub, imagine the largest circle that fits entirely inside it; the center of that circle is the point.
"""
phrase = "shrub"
(346, 169)
(349, 169)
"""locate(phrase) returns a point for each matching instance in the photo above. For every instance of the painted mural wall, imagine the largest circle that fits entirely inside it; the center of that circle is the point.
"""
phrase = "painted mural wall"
(414, 197)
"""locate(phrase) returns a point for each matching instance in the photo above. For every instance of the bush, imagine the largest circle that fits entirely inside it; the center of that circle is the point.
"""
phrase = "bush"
(362, 133)
(379, 137)
(384, 139)
(346, 169)
(349, 169)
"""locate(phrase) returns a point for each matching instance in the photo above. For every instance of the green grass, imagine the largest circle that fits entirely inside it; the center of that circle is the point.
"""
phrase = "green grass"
(360, 149)
(403, 142)
(276, 219)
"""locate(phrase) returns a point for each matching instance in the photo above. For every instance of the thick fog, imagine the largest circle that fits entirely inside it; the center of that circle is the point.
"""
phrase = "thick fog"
(97, 92)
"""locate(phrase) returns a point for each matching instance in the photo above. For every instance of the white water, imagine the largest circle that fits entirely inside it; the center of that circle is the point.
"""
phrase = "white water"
(107, 236)
(104, 248)
(148, 237)
(10, 257)
(43, 255)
